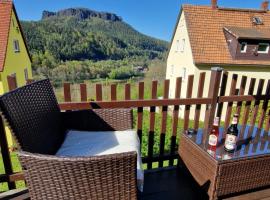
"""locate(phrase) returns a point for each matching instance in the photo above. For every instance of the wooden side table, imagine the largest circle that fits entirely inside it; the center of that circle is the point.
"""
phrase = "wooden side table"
(224, 173)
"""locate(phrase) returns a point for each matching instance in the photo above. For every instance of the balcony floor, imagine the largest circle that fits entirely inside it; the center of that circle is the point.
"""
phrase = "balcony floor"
(171, 184)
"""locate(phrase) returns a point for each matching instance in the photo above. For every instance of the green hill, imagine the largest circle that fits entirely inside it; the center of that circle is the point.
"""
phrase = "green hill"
(82, 37)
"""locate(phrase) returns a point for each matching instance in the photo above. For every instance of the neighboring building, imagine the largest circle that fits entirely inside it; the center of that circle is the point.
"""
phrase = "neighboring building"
(209, 36)
(15, 61)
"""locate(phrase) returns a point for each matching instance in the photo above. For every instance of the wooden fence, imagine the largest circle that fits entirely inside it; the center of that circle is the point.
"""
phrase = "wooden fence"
(244, 104)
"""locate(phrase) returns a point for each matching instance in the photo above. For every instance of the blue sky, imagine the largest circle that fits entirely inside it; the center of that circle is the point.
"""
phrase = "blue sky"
(156, 18)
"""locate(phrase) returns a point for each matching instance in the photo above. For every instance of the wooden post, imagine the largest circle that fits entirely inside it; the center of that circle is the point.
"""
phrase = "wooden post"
(213, 94)
(83, 90)
(67, 94)
(163, 123)
(140, 112)
(5, 154)
(175, 119)
(222, 92)
(113, 92)
(152, 126)
(98, 92)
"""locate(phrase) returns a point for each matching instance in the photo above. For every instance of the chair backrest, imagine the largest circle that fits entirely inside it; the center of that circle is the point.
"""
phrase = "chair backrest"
(34, 117)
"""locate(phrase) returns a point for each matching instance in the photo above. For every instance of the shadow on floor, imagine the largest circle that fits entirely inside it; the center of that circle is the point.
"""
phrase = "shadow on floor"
(171, 184)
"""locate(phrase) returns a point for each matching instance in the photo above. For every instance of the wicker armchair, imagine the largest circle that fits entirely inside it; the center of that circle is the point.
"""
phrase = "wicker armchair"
(33, 114)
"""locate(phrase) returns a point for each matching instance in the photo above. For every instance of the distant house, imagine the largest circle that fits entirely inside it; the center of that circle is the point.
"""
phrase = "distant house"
(15, 61)
(208, 36)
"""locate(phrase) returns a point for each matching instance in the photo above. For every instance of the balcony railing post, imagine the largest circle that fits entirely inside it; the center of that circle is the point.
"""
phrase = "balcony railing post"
(5, 154)
(213, 94)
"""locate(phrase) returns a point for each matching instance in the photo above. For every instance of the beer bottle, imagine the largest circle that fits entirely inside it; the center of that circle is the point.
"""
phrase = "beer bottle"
(231, 136)
(213, 137)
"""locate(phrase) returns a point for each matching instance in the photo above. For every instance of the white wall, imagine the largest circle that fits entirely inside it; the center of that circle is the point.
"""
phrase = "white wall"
(180, 58)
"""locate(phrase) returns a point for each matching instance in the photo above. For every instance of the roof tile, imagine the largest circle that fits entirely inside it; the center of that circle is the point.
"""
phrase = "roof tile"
(205, 27)
(5, 17)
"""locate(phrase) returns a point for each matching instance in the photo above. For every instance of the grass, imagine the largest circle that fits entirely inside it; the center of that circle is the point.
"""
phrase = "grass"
(16, 166)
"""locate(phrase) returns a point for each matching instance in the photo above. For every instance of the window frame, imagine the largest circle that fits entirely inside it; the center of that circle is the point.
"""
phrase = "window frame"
(16, 46)
(26, 76)
(245, 48)
(267, 48)
(183, 44)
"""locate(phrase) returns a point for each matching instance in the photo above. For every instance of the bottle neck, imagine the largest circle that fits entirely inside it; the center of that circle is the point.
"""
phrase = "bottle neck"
(234, 121)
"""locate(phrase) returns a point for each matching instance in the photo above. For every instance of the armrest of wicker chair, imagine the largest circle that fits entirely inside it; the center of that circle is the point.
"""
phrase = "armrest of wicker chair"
(99, 177)
(98, 120)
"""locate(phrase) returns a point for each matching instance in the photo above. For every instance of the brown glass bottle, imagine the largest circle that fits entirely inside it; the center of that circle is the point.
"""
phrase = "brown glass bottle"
(213, 136)
(231, 136)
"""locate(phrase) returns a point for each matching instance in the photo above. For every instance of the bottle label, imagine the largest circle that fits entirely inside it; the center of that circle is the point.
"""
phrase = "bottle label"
(212, 140)
(235, 120)
(230, 142)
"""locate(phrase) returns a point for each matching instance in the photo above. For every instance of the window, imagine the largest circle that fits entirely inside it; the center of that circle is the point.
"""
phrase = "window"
(243, 47)
(26, 74)
(16, 46)
(257, 20)
(180, 46)
(263, 48)
(177, 46)
(182, 49)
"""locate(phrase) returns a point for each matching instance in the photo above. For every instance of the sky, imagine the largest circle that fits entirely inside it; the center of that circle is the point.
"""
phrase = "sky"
(156, 18)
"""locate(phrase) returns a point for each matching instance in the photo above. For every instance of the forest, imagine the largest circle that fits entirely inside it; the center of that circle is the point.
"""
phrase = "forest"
(80, 44)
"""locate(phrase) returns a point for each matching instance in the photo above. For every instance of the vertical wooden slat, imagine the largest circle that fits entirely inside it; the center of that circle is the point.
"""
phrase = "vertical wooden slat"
(230, 104)
(113, 92)
(267, 124)
(241, 92)
(5, 153)
(257, 103)
(247, 108)
(199, 95)
(175, 119)
(83, 91)
(264, 106)
(140, 112)
(67, 94)
(222, 92)
(255, 108)
(127, 91)
(152, 126)
(98, 92)
(187, 107)
(213, 94)
(163, 122)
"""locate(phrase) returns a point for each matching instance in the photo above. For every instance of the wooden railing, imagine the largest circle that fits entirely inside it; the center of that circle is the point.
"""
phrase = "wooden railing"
(169, 109)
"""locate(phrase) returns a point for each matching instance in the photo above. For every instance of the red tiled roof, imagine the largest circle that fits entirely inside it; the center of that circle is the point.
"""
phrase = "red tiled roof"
(205, 27)
(5, 18)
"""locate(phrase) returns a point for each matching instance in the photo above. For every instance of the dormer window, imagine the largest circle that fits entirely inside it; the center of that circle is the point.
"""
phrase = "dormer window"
(257, 20)
(263, 48)
(243, 47)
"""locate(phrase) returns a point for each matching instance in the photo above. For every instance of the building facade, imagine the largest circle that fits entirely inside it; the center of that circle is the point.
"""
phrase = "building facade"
(210, 36)
(15, 61)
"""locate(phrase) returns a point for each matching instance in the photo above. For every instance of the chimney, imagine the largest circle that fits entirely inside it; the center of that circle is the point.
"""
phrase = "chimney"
(265, 5)
(214, 4)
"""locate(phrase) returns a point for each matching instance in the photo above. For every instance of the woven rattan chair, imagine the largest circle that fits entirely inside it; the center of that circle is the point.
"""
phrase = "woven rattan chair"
(33, 114)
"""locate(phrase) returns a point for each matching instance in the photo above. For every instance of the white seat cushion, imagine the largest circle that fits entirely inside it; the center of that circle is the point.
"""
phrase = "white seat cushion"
(88, 143)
